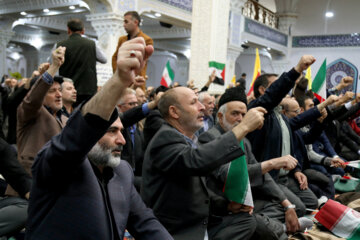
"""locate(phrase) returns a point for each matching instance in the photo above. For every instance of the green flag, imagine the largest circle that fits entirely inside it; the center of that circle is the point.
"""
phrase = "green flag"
(237, 185)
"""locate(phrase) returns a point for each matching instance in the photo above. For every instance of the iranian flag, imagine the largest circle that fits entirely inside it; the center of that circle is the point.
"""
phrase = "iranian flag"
(220, 72)
(168, 76)
(237, 185)
(355, 164)
(340, 220)
(319, 83)
(257, 71)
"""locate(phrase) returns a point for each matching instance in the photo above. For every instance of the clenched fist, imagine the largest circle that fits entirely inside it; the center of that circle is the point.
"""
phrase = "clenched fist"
(58, 57)
(346, 81)
(132, 56)
(304, 63)
(287, 162)
(254, 119)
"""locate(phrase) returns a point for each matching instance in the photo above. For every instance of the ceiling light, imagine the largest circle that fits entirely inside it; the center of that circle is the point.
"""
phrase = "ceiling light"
(46, 10)
(36, 42)
(157, 14)
(72, 7)
(268, 48)
(23, 13)
(15, 55)
(329, 14)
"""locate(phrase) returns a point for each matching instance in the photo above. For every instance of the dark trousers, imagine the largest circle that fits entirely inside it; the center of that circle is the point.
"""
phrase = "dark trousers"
(13, 215)
(232, 227)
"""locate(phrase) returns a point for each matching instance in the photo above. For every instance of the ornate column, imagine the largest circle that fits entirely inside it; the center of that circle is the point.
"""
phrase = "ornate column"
(33, 60)
(286, 22)
(108, 27)
(5, 35)
(287, 14)
(232, 55)
(209, 33)
(234, 47)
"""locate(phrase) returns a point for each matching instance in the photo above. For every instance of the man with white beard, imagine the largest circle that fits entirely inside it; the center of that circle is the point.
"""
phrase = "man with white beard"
(81, 189)
(271, 206)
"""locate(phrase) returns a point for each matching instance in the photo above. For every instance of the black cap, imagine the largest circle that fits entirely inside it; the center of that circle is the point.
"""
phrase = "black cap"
(233, 94)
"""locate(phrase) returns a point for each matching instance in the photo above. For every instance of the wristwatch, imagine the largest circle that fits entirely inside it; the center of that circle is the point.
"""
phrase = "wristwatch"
(289, 207)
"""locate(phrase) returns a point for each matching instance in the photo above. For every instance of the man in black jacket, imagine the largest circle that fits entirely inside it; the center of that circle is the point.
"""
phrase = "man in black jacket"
(81, 56)
(276, 138)
(130, 115)
(95, 198)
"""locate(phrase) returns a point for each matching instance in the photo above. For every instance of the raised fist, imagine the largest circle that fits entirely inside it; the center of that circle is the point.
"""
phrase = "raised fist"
(346, 81)
(58, 57)
(254, 119)
(132, 56)
(304, 63)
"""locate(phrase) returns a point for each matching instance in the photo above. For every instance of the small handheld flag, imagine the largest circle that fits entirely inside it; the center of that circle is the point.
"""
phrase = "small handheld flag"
(237, 185)
(220, 71)
(168, 75)
(319, 83)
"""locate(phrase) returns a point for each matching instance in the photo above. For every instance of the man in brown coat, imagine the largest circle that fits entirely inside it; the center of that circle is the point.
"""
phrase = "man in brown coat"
(131, 24)
(38, 116)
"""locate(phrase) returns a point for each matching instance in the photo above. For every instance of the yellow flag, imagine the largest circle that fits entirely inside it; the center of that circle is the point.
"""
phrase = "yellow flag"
(308, 77)
(233, 80)
(257, 71)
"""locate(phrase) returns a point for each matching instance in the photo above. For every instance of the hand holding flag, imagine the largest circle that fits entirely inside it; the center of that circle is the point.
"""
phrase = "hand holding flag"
(219, 70)
(340, 220)
(319, 85)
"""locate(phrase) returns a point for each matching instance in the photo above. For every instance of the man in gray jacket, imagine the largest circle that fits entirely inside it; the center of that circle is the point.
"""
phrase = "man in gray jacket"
(174, 168)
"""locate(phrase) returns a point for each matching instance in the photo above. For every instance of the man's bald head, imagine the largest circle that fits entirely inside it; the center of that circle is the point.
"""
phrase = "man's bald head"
(181, 108)
(169, 98)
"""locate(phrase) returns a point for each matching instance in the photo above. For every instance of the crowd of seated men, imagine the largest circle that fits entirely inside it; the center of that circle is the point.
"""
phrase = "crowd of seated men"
(156, 163)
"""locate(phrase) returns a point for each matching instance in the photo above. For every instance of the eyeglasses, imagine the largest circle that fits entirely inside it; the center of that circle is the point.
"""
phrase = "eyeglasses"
(297, 111)
(131, 104)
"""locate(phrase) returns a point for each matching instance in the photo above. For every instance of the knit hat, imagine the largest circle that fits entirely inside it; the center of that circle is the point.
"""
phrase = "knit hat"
(233, 94)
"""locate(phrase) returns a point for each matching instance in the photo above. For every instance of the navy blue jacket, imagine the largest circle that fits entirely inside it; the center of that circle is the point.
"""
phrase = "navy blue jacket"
(267, 142)
(323, 146)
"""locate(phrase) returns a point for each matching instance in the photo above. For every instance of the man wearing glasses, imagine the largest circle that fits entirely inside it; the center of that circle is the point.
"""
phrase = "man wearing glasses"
(130, 114)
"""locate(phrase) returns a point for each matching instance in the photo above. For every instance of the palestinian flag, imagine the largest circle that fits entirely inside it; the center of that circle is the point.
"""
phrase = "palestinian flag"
(220, 72)
(168, 75)
(319, 83)
(237, 185)
(257, 71)
(340, 220)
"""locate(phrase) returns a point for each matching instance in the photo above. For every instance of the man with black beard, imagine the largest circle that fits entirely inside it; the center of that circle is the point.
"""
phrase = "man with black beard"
(81, 189)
